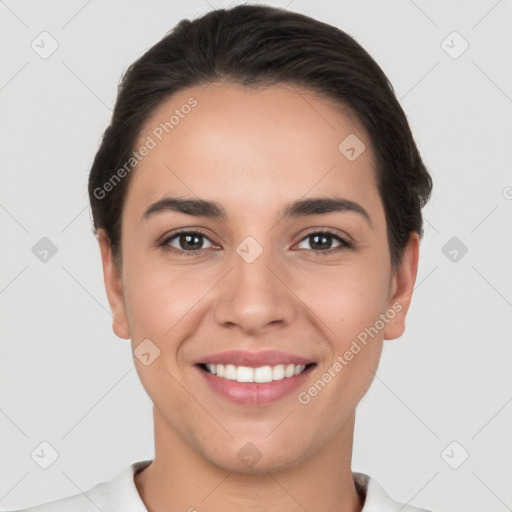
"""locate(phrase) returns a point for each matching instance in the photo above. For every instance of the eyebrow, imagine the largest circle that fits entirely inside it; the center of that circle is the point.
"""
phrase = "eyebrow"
(214, 210)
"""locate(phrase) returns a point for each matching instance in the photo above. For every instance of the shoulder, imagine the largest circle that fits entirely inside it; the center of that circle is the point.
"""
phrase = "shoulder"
(77, 503)
(377, 500)
(116, 495)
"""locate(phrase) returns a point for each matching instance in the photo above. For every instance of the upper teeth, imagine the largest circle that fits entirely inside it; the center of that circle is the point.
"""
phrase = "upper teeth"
(259, 374)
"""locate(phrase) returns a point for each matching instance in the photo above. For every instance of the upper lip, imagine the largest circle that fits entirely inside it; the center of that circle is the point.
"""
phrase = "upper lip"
(253, 359)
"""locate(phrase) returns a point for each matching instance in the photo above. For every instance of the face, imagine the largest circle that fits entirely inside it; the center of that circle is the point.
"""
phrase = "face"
(260, 273)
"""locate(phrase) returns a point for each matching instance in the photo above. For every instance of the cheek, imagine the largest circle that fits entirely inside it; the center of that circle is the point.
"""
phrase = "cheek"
(159, 302)
(348, 302)
(348, 305)
(164, 303)
(345, 299)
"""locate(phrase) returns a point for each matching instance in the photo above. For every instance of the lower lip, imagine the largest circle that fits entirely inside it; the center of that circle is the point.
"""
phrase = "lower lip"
(255, 393)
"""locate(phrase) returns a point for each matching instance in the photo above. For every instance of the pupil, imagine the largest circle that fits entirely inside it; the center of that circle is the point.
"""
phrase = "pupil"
(320, 245)
(185, 241)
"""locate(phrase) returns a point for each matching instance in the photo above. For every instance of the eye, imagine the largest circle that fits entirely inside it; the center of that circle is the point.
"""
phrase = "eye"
(191, 243)
(186, 242)
(322, 242)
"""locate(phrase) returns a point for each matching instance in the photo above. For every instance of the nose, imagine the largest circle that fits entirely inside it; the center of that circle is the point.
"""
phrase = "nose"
(254, 295)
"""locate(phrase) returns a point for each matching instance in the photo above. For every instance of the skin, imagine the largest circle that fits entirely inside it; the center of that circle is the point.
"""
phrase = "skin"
(253, 151)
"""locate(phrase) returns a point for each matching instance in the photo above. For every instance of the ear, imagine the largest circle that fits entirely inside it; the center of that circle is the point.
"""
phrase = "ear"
(113, 287)
(402, 285)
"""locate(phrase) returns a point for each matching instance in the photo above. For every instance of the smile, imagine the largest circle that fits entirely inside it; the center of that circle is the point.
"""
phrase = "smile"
(259, 374)
(254, 386)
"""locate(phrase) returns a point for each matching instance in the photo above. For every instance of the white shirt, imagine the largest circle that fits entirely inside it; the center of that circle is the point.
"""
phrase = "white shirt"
(120, 495)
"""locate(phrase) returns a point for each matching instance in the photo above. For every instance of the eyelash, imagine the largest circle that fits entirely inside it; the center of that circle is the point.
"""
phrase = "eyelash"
(344, 243)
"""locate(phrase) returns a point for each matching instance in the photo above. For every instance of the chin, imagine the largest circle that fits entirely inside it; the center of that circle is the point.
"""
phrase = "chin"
(258, 458)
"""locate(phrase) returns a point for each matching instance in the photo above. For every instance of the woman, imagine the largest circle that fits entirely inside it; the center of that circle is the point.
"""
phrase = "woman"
(257, 201)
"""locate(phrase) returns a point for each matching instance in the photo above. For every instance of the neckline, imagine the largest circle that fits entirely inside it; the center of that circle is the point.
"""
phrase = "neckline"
(361, 481)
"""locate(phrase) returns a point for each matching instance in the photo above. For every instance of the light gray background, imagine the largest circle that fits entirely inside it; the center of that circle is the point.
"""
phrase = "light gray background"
(65, 378)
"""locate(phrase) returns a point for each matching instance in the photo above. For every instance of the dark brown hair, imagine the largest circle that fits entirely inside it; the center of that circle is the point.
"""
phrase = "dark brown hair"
(256, 45)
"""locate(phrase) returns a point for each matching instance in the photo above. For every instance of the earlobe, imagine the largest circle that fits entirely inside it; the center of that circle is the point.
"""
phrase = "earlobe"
(113, 287)
(402, 288)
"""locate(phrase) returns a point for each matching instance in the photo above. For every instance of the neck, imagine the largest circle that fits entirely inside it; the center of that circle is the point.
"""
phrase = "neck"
(179, 479)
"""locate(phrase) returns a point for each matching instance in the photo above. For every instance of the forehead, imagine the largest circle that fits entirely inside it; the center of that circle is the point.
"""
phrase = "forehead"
(267, 144)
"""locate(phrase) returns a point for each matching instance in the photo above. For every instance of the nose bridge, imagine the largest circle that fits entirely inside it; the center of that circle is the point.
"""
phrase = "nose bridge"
(251, 267)
(252, 297)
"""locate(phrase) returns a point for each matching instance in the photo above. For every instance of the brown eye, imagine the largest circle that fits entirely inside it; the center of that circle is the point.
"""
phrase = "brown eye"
(325, 242)
(186, 242)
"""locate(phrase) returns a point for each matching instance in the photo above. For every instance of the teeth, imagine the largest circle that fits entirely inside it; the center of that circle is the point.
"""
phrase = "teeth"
(288, 371)
(296, 370)
(244, 374)
(278, 372)
(263, 374)
(230, 372)
(260, 374)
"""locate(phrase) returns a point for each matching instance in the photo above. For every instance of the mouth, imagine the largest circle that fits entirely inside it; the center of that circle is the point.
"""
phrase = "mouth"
(254, 379)
(258, 375)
